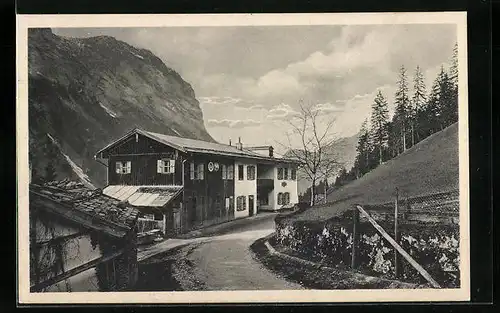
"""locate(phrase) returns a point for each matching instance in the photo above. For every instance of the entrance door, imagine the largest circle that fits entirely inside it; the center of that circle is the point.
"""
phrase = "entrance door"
(251, 205)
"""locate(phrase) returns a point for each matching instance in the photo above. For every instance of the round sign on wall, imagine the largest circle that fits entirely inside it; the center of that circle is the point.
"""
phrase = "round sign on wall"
(283, 184)
(216, 166)
(210, 166)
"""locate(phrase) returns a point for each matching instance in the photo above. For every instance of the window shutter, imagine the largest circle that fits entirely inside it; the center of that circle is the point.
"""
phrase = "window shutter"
(129, 167)
(224, 172)
(171, 166)
(191, 170)
(118, 168)
(159, 166)
(202, 174)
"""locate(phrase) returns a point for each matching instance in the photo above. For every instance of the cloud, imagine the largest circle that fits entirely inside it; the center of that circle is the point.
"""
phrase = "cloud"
(281, 112)
(327, 108)
(232, 123)
(215, 100)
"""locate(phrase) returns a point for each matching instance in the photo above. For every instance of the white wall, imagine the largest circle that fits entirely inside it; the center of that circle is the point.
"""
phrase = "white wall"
(244, 187)
(291, 187)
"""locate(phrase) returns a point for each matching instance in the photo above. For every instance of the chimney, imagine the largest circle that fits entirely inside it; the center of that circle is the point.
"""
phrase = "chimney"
(229, 141)
(239, 145)
(271, 151)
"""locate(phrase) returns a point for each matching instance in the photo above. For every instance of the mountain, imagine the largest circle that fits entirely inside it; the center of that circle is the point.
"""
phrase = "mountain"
(342, 150)
(85, 92)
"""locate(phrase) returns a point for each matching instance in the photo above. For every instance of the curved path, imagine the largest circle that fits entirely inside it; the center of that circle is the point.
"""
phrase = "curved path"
(225, 262)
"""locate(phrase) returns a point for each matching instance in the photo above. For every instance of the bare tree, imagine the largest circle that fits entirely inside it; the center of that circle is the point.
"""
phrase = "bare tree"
(313, 132)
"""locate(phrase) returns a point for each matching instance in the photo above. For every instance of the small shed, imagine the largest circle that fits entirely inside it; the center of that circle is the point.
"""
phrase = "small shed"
(80, 239)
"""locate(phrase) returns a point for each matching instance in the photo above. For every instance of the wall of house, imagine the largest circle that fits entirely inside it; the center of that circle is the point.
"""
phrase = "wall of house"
(57, 246)
(244, 187)
(205, 200)
(143, 153)
(282, 185)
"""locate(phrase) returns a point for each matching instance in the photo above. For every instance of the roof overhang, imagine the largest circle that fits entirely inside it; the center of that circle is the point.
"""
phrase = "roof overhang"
(133, 132)
(77, 217)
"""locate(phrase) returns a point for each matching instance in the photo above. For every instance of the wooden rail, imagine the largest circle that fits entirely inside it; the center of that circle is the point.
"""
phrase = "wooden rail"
(398, 248)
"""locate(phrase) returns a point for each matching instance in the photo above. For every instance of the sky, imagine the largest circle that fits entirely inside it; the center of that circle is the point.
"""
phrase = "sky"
(250, 80)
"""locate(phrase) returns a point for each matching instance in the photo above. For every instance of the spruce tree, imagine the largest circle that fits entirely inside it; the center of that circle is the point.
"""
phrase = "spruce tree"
(379, 120)
(418, 104)
(453, 73)
(447, 101)
(361, 162)
(453, 81)
(402, 101)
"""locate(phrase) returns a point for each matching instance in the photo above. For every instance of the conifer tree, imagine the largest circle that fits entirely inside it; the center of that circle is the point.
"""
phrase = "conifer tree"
(379, 120)
(402, 102)
(361, 162)
(418, 103)
(453, 73)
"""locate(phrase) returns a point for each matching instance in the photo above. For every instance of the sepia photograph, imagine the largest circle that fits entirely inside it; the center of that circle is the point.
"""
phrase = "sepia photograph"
(242, 158)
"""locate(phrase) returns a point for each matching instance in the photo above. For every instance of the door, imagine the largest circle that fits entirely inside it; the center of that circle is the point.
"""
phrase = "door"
(251, 205)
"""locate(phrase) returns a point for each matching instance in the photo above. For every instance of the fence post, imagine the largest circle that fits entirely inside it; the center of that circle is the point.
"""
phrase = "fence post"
(396, 254)
(355, 238)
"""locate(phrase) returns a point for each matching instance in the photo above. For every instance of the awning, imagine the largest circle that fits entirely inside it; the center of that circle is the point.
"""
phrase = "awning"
(144, 196)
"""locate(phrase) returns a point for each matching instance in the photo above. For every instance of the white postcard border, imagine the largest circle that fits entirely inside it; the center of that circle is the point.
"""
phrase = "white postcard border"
(219, 20)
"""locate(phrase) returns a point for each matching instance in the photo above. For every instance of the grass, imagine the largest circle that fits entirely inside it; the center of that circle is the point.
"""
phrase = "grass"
(320, 277)
(429, 167)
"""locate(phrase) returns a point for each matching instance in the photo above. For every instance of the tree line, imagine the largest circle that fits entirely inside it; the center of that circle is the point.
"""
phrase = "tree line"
(418, 114)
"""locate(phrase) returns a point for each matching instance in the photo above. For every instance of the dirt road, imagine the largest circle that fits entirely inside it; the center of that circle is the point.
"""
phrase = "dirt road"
(223, 262)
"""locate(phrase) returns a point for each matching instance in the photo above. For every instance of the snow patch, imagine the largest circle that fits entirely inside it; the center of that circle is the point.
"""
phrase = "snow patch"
(78, 170)
(139, 56)
(108, 110)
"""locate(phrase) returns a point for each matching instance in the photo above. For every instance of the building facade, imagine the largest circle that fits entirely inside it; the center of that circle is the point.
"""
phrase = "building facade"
(80, 240)
(189, 184)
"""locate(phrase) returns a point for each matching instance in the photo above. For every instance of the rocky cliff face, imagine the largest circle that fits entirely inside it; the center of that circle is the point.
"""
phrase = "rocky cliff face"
(83, 93)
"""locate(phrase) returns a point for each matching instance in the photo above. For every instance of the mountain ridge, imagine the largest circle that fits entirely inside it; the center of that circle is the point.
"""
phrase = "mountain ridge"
(85, 92)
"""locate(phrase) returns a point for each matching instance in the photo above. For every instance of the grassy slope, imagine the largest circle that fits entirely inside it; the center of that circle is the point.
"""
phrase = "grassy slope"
(428, 167)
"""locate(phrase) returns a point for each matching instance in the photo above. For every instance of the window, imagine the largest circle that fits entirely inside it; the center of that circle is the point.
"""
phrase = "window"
(200, 171)
(286, 198)
(286, 173)
(192, 173)
(240, 172)
(196, 172)
(227, 171)
(251, 172)
(280, 198)
(124, 167)
(241, 204)
(280, 173)
(166, 166)
(293, 174)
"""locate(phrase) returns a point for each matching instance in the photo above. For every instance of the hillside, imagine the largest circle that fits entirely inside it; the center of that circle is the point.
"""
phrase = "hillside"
(430, 166)
(344, 152)
(85, 92)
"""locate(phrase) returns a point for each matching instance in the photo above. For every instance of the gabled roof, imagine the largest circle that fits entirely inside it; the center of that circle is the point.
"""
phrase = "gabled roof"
(196, 146)
(86, 207)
